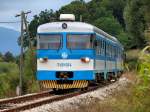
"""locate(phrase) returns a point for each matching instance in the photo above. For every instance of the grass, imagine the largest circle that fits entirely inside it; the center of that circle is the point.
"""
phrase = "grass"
(134, 98)
(132, 58)
(130, 99)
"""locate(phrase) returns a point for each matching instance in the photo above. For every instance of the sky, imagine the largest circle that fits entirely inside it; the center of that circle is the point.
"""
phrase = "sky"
(9, 8)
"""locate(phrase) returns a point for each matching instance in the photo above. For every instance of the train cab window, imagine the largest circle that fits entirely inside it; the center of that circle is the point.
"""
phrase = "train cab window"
(80, 41)
(49, 42)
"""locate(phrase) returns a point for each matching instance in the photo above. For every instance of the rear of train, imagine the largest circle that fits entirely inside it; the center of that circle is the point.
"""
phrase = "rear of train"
(65, 54)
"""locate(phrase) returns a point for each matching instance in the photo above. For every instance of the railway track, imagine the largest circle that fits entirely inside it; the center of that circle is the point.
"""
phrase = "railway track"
(30, 101)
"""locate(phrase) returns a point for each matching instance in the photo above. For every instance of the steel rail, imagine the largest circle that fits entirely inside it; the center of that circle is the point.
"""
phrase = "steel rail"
(48, 100)
(25, 97)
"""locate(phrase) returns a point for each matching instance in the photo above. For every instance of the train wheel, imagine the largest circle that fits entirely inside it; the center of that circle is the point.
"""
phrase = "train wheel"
(84, 89)
(56, 91)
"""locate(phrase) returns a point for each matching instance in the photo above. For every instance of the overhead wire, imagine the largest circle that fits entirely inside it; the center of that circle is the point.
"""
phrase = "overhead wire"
(9, 22)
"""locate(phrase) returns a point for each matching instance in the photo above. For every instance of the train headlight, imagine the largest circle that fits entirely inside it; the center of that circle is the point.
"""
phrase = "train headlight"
(43, 60)
(85, 60)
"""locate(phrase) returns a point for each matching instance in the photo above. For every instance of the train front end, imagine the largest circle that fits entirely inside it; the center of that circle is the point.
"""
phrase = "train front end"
(65, 55)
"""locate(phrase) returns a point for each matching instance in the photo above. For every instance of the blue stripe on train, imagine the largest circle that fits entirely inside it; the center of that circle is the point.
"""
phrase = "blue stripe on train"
(72, 54)
(77, 75)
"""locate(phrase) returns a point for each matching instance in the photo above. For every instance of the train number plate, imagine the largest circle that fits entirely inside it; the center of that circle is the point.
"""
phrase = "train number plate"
(64, 64)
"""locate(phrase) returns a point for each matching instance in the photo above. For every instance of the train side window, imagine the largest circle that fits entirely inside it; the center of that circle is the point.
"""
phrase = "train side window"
(111, 51)
(103, 47)
(117, 52)
(115, 55)
(107, 49)
(99, 47)
(114, 52)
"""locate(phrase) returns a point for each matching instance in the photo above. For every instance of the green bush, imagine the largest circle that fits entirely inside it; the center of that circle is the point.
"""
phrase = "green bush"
(9, 75)
(29, 80)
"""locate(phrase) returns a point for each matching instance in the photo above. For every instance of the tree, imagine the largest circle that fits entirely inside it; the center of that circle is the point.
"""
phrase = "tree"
(8, 57)
(8, 79)
(109, 25)
(135, 23)
(105, 14)
(1, 57)
(146, 8)
(25, 40)
(76, 7)
(29, 79)
(117, 8)
(44, 17)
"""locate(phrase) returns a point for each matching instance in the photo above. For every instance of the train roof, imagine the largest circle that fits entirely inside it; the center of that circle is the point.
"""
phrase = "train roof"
(73, 27)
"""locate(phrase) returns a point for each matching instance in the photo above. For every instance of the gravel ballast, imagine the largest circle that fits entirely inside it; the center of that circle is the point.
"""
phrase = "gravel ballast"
(74, 102)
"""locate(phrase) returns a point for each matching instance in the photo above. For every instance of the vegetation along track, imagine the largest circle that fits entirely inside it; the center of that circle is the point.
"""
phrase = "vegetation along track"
(34, 100)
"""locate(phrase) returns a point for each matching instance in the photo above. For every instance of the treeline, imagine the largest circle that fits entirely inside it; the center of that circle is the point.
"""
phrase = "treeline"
(7, 57)
(124, 19)
(9, 74)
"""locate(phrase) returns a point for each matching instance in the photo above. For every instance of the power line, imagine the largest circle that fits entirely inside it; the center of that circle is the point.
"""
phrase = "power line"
(4, 22)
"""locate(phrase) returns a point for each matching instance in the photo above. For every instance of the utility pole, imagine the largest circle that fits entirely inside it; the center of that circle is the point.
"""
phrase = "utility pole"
(21, 53)
(26, 27)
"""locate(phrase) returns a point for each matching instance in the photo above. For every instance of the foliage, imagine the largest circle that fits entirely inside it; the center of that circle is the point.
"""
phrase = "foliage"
(105, 14)
(25, 40)
(144, 68)
(78, 8)
(135, 22)
(8, 57)
(132, 58)
(134, 98)
(44, 17)
(29, 79)
(9, 74)
(117, 9)
(108, 24)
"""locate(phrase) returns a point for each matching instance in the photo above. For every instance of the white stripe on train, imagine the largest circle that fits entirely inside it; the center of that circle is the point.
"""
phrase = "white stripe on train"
(76, 65)
(65, 65)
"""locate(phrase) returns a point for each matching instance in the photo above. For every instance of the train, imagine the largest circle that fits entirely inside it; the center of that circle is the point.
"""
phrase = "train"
(73, 54)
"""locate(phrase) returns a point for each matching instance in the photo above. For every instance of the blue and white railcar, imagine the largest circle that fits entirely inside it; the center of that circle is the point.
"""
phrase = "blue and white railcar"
(71, 54)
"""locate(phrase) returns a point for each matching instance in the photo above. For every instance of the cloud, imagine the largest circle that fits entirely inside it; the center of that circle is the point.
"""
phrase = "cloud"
(9, 8)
